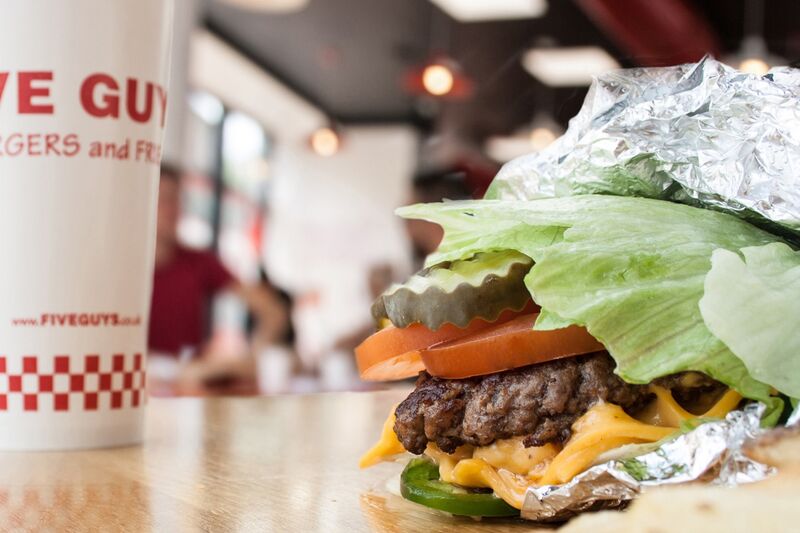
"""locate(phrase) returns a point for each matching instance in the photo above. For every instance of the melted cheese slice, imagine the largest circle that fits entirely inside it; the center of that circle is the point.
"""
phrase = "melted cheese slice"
(665, 411)
(603, 427)
(386, 447)
(509, 469)
(512, 455)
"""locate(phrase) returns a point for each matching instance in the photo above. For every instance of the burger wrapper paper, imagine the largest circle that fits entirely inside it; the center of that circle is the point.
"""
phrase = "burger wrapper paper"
(712, 453)
(702, 134)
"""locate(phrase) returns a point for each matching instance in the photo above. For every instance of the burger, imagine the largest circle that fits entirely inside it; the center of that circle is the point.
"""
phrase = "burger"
(500, 405)
(551, 334)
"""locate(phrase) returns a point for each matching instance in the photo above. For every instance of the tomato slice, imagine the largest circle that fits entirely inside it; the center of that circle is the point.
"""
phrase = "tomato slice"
(394, 353)
(402, 366)
(512, 344)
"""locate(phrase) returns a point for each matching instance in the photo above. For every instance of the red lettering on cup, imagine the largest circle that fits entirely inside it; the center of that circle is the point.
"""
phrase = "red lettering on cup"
(132, 97)
(27, 92)
(109, 100)
(162, 100)
(14, 144)
(3, 80)
(72, 145)
(34, 145)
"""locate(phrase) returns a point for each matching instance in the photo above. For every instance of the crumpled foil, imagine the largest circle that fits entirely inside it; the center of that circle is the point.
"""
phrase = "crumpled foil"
(711, 453)
(704, 134)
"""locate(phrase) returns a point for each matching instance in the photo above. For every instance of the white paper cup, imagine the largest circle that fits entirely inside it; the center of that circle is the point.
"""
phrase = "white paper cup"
(82, 103)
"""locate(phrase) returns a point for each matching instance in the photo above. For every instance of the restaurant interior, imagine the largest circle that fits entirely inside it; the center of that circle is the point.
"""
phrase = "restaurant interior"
(297, 127)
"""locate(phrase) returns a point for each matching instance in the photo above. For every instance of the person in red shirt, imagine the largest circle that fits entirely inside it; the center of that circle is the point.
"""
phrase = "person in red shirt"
(186, 280)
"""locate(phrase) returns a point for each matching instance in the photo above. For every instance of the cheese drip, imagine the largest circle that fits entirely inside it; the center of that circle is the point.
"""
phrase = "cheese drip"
(509, 469)
(386, 447)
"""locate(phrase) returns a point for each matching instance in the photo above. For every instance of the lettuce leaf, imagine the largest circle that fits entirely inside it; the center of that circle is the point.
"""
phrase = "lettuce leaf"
(752, 305)
(631, 270)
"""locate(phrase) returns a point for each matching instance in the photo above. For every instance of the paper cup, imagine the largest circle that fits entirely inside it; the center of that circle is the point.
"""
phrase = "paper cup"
(82, 111)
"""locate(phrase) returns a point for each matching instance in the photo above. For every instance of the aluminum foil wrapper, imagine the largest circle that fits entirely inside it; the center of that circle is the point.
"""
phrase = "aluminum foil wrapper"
(704, 134)
(711, 453)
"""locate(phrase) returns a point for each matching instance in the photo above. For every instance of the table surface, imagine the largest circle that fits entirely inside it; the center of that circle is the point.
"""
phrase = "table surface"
(228, 464)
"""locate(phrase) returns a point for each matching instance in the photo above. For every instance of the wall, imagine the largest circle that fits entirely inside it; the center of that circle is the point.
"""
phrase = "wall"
(332, 221)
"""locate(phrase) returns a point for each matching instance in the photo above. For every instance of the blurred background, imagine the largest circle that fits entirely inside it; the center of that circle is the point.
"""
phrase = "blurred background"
(296, 127)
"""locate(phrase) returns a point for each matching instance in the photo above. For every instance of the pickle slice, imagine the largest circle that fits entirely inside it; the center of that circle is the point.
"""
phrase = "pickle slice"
(456, 292)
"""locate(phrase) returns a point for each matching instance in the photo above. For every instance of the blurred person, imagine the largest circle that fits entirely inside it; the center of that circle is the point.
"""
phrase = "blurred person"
(184, 285)
(379, 278)
(433, 186)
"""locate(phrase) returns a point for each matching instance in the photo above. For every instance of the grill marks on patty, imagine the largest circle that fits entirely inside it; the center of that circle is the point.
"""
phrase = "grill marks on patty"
(539, 402)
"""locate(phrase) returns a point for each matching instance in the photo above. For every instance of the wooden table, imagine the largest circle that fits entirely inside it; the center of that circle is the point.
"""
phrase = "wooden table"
(238, 464)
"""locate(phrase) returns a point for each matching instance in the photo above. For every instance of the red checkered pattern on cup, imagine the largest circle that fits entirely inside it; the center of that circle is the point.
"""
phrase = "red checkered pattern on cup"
(69, 383)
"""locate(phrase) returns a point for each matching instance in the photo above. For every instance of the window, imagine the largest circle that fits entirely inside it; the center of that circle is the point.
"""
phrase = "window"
(245, 174)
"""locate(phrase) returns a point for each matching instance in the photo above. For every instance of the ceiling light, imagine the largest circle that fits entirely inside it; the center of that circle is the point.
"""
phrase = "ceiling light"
(438, 79)
(325, 142)
(753, 57)
(479, 10)
(504, 148)
(754, 65)
(541, 138)
(440, 76)
(567, 67)
(272, 6)
(537, 136)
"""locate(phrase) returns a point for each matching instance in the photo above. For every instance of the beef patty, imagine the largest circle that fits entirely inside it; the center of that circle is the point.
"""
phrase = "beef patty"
(539, 402)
